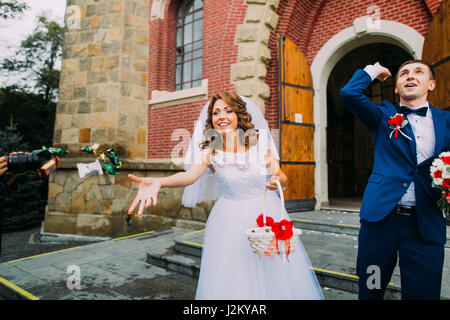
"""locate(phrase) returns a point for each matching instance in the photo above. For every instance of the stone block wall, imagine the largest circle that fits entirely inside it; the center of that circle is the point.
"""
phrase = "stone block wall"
(97, 205)
(103, 99)
(252, 37)
(103, 86)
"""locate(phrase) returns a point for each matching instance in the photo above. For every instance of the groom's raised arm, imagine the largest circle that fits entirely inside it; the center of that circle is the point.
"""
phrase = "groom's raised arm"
(354, 99)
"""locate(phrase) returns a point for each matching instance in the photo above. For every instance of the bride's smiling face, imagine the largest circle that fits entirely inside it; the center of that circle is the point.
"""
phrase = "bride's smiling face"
(223, 117)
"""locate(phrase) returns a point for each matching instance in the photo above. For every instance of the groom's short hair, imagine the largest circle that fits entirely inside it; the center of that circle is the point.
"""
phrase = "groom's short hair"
(432, 74)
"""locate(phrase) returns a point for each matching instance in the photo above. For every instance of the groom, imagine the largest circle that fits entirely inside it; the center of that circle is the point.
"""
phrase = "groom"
(399, 216)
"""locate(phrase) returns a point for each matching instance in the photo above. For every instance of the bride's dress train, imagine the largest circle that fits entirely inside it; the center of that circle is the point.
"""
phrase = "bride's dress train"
(229, 268)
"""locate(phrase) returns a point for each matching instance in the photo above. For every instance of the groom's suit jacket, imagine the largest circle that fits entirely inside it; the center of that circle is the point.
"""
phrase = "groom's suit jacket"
(395, 161)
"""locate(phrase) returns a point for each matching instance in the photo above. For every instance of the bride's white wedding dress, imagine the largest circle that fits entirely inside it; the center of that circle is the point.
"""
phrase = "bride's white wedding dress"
(229, 268)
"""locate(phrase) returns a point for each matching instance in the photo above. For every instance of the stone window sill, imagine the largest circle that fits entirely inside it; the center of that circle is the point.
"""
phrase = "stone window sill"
(166, 98)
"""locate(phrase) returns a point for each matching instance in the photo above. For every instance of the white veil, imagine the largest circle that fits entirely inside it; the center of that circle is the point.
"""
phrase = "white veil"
(205, 188)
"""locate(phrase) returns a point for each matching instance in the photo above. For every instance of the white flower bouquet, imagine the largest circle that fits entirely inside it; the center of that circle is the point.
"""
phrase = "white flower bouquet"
(440, 173)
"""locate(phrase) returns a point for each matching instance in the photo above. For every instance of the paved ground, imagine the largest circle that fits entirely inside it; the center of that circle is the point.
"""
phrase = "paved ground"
(21, 244)
(117, 269)
(109, 270)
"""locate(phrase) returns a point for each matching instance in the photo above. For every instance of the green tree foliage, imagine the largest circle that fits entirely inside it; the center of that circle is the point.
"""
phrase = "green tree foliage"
(11, 9)
(33, 116)
(23, 208)
(37, 59)
(27, 113)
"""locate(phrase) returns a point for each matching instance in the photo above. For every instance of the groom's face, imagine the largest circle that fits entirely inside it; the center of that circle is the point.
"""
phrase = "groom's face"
(414, 80)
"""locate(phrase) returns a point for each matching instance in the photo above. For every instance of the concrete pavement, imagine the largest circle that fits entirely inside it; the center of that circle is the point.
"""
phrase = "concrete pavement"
(164, 264)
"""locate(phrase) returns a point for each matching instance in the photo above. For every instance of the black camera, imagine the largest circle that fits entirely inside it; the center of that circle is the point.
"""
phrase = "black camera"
(26, 161)
(44, 161)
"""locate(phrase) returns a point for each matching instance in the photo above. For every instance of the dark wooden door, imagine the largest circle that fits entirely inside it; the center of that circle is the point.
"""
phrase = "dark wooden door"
(296, 125)
(436, 51)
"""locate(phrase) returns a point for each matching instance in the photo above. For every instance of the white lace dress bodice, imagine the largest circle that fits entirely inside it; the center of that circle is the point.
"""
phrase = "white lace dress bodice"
(239, 175)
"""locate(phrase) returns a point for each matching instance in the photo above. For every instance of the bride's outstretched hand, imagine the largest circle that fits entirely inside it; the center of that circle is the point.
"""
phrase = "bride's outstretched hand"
(148, 189)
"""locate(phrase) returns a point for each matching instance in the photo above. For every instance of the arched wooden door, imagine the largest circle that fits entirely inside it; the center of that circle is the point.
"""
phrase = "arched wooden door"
(436, 51)
(296, 123)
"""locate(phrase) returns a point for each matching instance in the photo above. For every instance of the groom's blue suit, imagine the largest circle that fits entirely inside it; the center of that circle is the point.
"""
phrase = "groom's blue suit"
(417, 240)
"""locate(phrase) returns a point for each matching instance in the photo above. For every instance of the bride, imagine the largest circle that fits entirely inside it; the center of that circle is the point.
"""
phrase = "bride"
(232, 158)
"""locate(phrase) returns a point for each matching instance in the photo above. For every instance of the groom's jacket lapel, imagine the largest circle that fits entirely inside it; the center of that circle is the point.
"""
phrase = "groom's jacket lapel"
(408, 147)
(439, 131)
(411, 143)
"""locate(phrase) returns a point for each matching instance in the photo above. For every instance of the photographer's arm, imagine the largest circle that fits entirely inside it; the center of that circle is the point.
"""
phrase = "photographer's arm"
(148, 188)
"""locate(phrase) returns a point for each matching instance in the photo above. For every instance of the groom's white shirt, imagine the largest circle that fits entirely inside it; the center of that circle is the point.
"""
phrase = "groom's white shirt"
(423, 129)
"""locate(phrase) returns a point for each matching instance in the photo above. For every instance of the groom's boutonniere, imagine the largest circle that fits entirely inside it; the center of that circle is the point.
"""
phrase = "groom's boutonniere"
(396, 123)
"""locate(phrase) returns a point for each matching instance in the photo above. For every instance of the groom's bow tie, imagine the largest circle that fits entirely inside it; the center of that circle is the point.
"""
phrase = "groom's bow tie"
(421, 111)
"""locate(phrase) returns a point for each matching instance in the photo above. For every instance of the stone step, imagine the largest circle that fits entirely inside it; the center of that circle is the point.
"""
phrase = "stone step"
(6, 293)
(338, 277)
(190, 265)
(334, 221)
(330, 239)
(333, 256)
(326, 222)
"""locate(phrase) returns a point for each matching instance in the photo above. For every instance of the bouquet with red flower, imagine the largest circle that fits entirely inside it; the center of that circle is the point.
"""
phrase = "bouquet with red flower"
(440, 173)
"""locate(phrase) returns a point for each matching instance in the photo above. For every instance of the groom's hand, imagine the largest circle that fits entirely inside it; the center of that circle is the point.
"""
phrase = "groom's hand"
(383, 72)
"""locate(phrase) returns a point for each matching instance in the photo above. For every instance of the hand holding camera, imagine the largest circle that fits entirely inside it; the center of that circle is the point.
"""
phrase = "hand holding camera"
(9, 177)
(44, 161)
(3, 165)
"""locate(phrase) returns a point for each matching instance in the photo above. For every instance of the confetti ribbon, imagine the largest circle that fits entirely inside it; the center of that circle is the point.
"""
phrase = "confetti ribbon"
(111, 168)
(128, 218)
(55, 151)
(108, 154)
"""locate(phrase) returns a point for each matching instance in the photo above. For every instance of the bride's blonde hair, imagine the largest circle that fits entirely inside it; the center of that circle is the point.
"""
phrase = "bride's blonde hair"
(244, 121)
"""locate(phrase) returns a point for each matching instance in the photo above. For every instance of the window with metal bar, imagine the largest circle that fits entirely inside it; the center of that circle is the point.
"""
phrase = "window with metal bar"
(189, 45)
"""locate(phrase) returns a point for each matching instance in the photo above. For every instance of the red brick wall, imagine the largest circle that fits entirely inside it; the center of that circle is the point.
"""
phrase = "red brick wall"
(433, 5)
(311, 23)
(220, 19)
(162, 45)
(413, 13)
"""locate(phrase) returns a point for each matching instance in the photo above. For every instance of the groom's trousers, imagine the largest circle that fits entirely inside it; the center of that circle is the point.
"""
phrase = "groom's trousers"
(396, 237)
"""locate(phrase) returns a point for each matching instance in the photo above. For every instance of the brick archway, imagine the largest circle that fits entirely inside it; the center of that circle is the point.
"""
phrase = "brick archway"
(338, 46)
